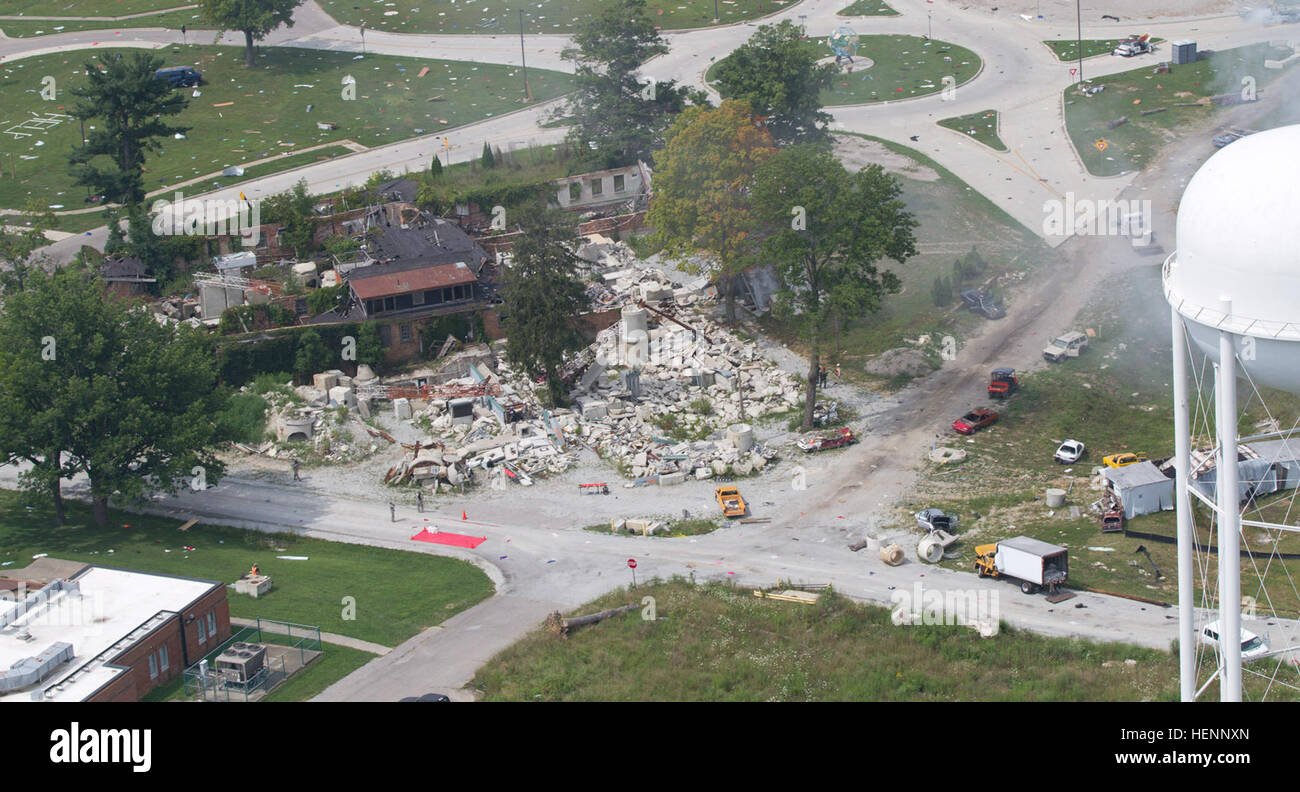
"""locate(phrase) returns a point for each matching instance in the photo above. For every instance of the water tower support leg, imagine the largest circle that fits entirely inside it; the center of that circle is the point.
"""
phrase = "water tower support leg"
(1229, 519)
(1186, 541)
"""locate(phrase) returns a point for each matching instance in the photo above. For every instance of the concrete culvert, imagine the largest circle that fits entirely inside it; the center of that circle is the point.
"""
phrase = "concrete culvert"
(944, 455)
(892, 554)
(929, 549)
(1055, 498)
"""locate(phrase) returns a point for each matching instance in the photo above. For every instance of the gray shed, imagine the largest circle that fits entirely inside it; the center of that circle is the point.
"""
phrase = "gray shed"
(1141, 488)
(1264, 467)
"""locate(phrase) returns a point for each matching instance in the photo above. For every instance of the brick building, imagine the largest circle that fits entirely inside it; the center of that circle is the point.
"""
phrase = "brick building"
(96, 633)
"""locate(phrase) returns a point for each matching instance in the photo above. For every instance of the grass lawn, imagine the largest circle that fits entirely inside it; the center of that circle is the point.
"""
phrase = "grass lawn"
(243, 115)
(982, 126)
(397, 593)
(72, 224)
(540, 16)
(719, 643)
(171, 20)
(86, 8)
(953, 217)
(1069, 50)
(1136, 143)
(904, 67)
(867, 8)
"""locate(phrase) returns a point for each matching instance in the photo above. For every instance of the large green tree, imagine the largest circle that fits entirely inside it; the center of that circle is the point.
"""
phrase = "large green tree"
(126, 106)
(88, 386)
(702, 190)
(616, 116)
(776, 71)
(293, 210)
(827, 229)
(542, 296)
(253, 18)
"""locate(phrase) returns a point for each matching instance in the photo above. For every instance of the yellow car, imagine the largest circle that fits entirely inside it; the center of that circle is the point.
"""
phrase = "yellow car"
(1120, 460)
(729, 499)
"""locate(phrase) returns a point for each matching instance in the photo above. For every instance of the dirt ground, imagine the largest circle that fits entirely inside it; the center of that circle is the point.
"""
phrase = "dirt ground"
(1092, 10)
(857, 153)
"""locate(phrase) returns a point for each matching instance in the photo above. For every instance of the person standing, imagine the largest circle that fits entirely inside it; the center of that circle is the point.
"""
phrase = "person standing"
(296, 477)
(837, 372)
(419, 501)
(392, 511)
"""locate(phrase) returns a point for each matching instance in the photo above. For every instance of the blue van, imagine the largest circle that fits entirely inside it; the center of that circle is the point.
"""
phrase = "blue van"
(179, 76)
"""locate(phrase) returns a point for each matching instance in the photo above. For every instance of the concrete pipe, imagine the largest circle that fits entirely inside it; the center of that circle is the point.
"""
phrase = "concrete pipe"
(892, 554)
(929, 549)
(741, 436)
(1055, 498)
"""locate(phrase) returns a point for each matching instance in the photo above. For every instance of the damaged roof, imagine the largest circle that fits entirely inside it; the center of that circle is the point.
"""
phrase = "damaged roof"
(368, 284)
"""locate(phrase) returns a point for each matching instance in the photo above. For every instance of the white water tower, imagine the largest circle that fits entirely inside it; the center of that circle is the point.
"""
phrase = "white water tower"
(1233, 286)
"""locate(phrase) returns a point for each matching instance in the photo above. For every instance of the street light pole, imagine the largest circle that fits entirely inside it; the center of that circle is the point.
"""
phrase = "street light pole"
(1078, 14)
(715, 12)
(523, 57)
(929, 24)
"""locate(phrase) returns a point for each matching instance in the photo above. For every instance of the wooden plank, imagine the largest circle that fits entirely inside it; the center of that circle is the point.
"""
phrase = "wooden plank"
(187, 525)
(801, 597)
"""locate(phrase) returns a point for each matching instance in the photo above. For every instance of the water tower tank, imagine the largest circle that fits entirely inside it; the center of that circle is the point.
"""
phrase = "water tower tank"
(1237, 266)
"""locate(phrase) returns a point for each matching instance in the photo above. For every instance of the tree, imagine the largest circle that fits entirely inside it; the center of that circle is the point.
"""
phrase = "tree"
(776, 71)
(827, 230)
(702, 189)
(941, 291)
(312, 355)
(325, 299)
(616, 117)
(88, 386)
(18, 245)
(293, 211)
(435, 168)
(129, 105)
(370, 349)
(486, 159)
(542, 297)
(253, 18)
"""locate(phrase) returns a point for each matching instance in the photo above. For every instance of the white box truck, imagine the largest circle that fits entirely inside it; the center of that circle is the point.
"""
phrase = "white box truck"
(1035, 564)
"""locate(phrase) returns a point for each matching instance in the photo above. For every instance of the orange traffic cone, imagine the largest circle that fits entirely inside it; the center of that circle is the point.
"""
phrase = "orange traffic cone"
(463, 515)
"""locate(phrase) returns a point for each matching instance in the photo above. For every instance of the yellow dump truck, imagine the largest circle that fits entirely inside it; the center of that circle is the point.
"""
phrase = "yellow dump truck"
(729, 499)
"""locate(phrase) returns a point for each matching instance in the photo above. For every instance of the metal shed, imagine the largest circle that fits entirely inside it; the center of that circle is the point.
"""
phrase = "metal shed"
(1141, 488)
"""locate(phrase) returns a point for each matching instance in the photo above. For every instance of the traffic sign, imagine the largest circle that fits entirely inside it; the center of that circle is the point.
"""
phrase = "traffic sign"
(631, 563)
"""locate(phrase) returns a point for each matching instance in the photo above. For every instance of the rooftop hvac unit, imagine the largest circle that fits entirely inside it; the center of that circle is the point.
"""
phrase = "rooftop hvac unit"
(241, 661)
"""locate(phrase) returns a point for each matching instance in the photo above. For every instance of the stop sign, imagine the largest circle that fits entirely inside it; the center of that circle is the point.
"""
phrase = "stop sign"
(631, 563)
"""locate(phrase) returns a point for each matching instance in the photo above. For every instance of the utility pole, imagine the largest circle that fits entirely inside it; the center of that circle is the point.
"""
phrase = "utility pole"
(1078, 15)
(929, 24)
(715, 12)
(523, 57)
(363, 38)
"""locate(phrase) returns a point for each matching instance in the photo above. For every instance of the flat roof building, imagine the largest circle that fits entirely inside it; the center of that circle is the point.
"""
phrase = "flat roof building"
(103, 634)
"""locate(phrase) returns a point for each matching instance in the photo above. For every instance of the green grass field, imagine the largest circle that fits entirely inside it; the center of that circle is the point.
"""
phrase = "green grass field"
(719, 643)
(31, 28)
(243, 115)
(397, 593)
(982, 127)
(540, 16)
(904, 67)
(86, 8)
(1132, 145)
(1069, 50)
(867, 8)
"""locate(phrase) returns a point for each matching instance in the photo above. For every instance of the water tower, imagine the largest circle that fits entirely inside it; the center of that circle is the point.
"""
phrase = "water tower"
(1233, 286)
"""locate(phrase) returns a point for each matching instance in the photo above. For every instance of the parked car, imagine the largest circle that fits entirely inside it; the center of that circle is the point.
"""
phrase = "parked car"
(1133, 45)
(1252, 646)
(1070, 345)
(730, 502)
(975, 420)
(1120, 460)
(1069, 452)
(936, 520)
(981, 302)
(179, 76)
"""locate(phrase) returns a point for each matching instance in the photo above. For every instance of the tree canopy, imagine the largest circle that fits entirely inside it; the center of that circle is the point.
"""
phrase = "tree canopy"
(703, 186)
(776, 71)
(542, 297)
(253, 18)
(826, 230)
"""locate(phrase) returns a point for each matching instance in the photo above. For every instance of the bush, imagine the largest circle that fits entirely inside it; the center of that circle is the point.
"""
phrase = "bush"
(243, 419)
